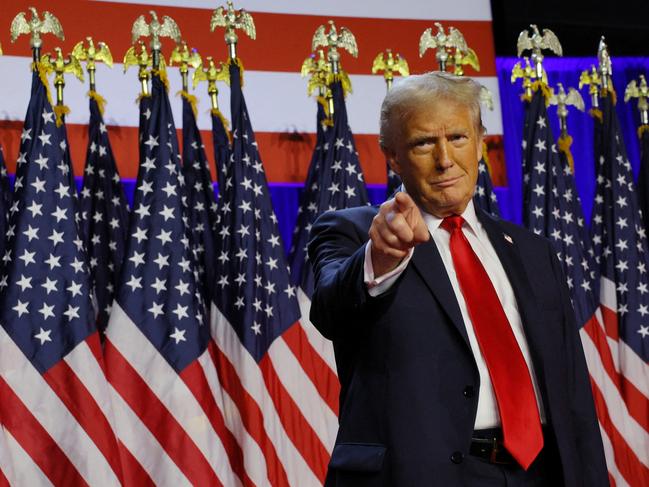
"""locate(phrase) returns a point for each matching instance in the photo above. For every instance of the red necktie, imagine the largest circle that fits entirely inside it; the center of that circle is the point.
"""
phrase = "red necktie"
(510, 377)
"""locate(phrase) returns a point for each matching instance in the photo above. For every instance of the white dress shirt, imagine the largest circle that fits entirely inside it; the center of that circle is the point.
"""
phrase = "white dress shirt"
(487, 415)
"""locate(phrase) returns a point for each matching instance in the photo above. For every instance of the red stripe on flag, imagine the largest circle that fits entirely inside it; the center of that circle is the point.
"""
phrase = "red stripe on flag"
(195, 379)
(133, 472)
(297, 428)
(251, 415)
(94, 343)
(626, 460)
(3, 480)
(636, 402)
(157, 418)
(80, 403)
(324, 379)
(286, 156)
(36, 441)
(283, 40)
(610, 323)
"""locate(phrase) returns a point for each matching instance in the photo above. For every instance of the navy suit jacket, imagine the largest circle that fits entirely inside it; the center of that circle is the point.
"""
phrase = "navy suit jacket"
(409, 379)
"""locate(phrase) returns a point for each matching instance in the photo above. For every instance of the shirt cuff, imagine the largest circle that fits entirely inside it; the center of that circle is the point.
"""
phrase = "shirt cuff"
(380, 285)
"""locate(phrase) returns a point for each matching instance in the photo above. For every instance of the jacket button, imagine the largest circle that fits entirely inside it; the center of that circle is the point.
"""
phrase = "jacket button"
(457, 457)
(468, 391)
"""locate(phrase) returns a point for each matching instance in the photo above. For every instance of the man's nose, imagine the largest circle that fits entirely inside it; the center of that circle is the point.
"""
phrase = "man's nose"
(442, 155)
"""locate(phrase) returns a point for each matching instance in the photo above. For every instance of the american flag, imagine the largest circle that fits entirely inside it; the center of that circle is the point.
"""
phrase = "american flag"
(166, 395)
(104, 215)
(301, 273)
(484, 196)
(200, 200)
(342, 183)
(620, 346)
(554, 211)
(5, 199)
(337, 182)
(394, 182)
(55, 403)
(643, 175)
(221, 145)
(278, 417)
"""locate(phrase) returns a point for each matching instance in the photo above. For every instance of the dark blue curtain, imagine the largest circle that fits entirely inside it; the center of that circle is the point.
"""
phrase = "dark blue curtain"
(580, 125)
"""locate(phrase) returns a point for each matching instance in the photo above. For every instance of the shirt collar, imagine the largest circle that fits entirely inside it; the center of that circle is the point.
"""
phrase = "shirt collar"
(469, 215)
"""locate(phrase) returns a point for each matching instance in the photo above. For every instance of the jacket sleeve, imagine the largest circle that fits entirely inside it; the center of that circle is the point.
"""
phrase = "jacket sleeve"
(588, 437)
(340, 302)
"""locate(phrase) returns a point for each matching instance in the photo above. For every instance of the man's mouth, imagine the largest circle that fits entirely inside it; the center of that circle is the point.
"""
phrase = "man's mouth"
(445, 183)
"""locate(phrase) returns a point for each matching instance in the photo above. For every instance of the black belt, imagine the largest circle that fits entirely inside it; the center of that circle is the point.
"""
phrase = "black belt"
(488, 445)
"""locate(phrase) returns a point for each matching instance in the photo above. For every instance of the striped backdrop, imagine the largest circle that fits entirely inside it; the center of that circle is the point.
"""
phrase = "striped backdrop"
(283, 116)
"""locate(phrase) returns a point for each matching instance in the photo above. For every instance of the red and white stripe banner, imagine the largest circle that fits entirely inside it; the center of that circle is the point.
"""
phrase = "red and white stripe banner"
(283, 116)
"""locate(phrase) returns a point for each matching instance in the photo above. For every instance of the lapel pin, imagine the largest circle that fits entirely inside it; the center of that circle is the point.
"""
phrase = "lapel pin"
(508, 238)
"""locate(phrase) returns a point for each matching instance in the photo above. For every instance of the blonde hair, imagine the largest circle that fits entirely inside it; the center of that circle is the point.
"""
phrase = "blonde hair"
(417, 90)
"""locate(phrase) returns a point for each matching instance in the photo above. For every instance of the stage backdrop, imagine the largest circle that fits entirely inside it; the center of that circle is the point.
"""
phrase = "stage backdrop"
(283, 116)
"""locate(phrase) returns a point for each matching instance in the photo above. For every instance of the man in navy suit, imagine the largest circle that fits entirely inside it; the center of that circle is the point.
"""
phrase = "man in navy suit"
(456, 344)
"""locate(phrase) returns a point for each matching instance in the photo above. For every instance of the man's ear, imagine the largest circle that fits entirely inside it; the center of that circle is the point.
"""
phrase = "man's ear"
(391, 157)
(480, 145)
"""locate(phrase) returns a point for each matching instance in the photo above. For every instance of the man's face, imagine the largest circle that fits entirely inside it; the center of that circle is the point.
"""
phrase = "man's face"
(437, 156)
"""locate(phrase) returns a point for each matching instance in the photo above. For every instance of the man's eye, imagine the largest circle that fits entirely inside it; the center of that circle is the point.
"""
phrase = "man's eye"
(422, 145)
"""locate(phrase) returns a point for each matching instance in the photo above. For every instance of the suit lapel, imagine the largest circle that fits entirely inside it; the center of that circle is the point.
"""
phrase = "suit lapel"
(428, 264)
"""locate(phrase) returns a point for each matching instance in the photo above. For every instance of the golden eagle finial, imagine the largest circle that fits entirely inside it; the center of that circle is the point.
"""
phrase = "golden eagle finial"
(537, 43)
(319, 69)
(594, 81)
(524, 70)
(605, 65)
(138, 55)
(333, 40)
(60, 65)
(233, 20)
(562, 100)
(390, 64)
(211, 72)
(442, 43)
(35, 27)
(463, 58)
(641, 92)
(93, 55)
(155, 30)
(185, 58)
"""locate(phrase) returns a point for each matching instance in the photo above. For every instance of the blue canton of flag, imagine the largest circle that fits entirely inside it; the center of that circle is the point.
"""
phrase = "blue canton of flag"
(252, 288)
(484, 196)
(157, 289)
(45, 300)
(554, 211)
(53, 388)
(528, 152)
(342, 184)
(643, 174)
(335, 181)
(104, 215)
(221, 147)
(200, 200)
(301, 274)
(619, 236)
(394, 182)
(5, 199)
